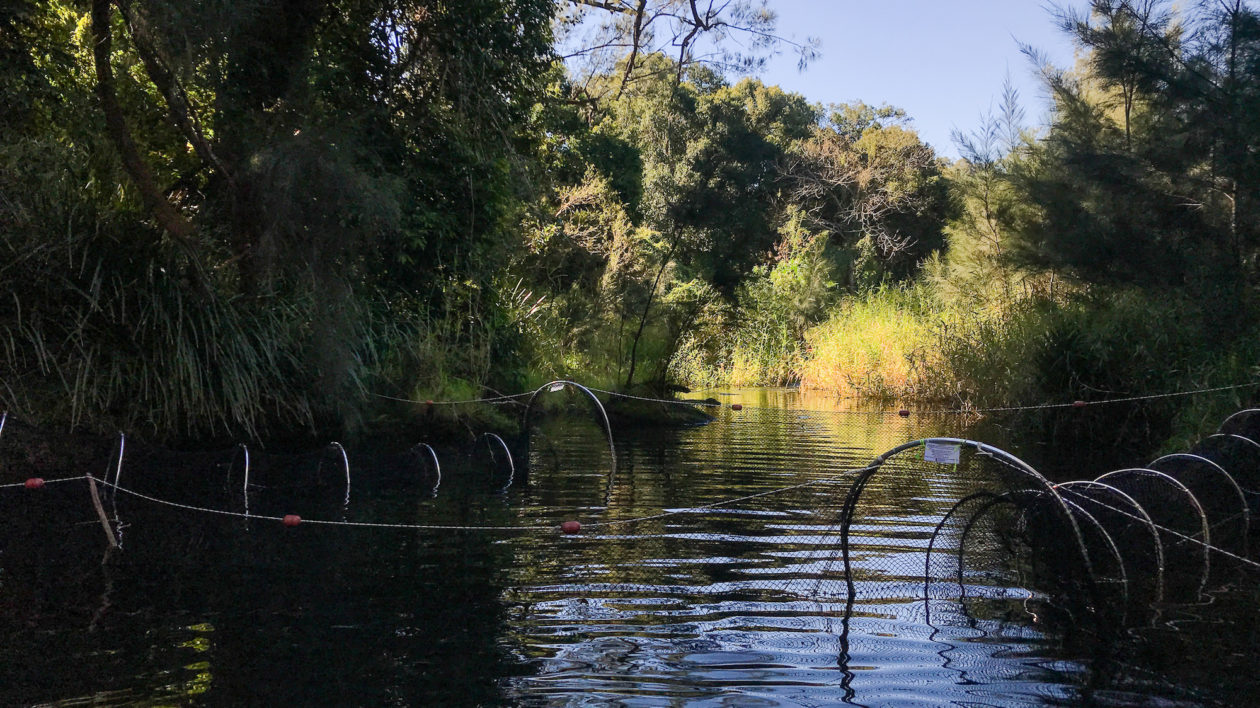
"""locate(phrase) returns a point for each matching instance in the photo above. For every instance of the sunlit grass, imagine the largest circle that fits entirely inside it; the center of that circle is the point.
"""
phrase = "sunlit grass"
(881, 346)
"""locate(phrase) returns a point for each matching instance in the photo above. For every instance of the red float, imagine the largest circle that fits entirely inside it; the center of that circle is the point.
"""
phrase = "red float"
(291, 520)
(737, 407)
(904, 413)
(571, 527)
(1078, 404)
(428, 403)
(35, 483)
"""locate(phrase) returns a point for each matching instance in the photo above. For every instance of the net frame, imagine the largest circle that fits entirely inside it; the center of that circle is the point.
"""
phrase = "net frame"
(1128, 525)
(490, 439)
(416, 456)
(1222, 500)
(1010, 476)
(565, 385)
(1186, 538)
(1021, 500)
(1108, 568)
(333, 451)
(1244, 423)
(1238, 456)
(1028, 541)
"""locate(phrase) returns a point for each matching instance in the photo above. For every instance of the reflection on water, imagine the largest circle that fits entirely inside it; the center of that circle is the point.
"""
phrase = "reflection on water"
(744, 603)
(738, 604)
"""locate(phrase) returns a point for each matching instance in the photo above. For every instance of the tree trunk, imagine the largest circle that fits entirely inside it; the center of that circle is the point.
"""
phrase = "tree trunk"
(154, 201)
(634, 348)
(177, 103)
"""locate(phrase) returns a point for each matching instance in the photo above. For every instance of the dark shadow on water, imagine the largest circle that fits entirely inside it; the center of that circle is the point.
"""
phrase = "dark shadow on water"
(740, 603)
(233, 612)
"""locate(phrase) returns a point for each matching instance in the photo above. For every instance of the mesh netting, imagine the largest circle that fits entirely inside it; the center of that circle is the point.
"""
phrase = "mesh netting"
(1182, 525)
(1219, 496)
(1107, 567)
(976, 528)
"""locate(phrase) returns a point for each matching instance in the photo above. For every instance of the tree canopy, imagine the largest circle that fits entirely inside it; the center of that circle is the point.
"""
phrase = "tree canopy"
(219, 217)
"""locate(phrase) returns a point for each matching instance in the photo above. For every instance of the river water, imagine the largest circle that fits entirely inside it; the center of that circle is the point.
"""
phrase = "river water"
(706, 601)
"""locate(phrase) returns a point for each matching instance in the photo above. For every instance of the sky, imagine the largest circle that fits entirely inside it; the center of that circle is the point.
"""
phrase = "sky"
(943, 61)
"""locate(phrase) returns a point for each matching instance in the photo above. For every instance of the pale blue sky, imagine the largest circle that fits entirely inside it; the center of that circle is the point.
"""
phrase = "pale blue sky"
(943, 61)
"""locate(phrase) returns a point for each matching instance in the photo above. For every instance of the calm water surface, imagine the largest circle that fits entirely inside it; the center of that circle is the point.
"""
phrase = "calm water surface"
(732, 605)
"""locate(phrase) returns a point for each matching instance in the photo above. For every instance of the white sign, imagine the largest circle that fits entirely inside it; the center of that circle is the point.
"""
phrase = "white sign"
(556, 387)
(942, 452)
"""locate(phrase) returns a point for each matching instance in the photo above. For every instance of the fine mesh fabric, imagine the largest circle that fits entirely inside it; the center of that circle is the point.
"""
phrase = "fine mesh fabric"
(1183, 528)
(972, 532)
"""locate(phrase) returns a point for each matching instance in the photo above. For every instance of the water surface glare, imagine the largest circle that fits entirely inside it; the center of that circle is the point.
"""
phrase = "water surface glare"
(739, 604)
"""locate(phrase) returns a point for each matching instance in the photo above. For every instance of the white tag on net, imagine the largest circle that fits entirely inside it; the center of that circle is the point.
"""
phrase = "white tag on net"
(942, 452)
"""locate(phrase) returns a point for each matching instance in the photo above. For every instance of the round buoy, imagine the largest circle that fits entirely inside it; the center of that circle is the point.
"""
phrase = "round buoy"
(904, 413)
(571, 527)
(737, 407)
(35, 483)
(428, 403)
(291, 520)
(1078, 404)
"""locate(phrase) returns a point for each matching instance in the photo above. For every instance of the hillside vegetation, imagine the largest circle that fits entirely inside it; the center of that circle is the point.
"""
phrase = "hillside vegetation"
(222, 219)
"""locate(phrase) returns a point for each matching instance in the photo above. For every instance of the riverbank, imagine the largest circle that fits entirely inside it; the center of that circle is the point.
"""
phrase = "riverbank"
(911, 346)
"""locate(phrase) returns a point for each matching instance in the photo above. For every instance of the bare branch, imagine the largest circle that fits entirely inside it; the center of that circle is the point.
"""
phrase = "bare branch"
(634, 45)
(682, 25)
(605, 5)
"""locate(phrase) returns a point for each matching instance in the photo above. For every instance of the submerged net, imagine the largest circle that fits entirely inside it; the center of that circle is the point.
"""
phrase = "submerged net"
(938, 532)
(957, 529)
(1180, 524)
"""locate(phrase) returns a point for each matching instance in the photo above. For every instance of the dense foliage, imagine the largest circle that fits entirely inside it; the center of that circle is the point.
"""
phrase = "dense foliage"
(1113, 253)
(224, 218)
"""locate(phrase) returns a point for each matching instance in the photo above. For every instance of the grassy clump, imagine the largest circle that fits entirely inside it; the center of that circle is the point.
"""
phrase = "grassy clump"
(881, 346)
(906, 344)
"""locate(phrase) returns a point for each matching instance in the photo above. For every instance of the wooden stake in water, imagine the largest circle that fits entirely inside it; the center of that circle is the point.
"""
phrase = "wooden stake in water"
(100, 512)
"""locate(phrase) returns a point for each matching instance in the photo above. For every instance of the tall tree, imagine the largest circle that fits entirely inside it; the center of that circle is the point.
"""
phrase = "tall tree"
(1164, 190)
(866, 177)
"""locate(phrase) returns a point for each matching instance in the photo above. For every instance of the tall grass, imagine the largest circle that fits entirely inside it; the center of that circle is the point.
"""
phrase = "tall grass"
(101, 348)
(881, 345)
(755, 354)
(105, 327)
(909, 344)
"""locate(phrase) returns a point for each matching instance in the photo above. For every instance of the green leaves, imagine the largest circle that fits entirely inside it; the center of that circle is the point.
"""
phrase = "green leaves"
(1147, 175)
(334, 160)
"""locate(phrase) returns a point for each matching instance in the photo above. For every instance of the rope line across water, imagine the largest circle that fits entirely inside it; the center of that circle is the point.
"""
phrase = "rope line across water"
(996, 409)
(491, 399)
(444, 527)
(325, 522)
(46, 482)
(554, 527)
(1081, 404)
(673, 401)
(1184, 537)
